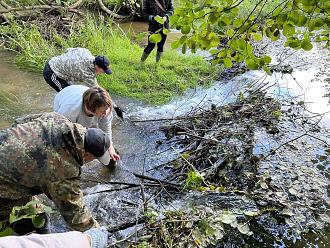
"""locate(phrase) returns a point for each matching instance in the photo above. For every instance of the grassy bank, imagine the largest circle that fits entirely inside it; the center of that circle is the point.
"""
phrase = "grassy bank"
(148, 82)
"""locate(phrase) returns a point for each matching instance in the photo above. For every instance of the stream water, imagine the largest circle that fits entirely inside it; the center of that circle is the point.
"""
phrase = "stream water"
(26, 92)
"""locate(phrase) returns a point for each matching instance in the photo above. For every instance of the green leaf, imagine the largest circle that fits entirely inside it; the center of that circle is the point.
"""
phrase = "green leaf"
(165, 31)
(184, 48)
(185, 29)
(224, 21)
(267, 70)
(269, 33)
(228, 218)
(277, 11)
(6, 232)
(38, 221)
(155, 38)
(257, 36)
(288, 30)
(194, 180)
(230, 32)
(251, 64)
(298, 18)
(227, 62)
(251, 213)
(213, 18)
(179, 42)
(266, 59)
(293, 43)
(277, 114)
(159, 19)
(237, 22)
(306, 45)
(243, 228)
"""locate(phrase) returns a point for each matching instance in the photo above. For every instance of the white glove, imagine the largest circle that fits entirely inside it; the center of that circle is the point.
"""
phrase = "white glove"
(99, 237)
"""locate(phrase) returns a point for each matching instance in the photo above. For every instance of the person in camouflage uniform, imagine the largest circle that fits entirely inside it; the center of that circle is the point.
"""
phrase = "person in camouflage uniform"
(44, 154)
(151, 9)
(75, 66)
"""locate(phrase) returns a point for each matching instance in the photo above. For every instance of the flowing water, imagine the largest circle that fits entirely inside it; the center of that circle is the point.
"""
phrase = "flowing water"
(23, 92)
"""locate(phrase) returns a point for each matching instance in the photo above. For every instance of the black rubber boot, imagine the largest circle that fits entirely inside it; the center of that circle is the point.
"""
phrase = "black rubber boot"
(158, 56)
(144, 56)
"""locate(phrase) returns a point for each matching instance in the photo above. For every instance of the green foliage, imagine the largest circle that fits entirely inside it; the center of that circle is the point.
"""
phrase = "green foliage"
(151, 216)
(194, 180)
(238, 24)
(5, 230)
(31, 210)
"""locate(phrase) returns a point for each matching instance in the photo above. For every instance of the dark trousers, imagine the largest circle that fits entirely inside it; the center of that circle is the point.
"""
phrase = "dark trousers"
(54, 81)
(160, 45)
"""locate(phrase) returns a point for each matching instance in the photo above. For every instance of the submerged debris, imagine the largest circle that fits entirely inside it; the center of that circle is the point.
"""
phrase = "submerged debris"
(239, 187)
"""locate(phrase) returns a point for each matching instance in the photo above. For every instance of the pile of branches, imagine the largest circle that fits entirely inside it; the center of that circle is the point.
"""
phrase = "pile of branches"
(218, 143)
(67, 9)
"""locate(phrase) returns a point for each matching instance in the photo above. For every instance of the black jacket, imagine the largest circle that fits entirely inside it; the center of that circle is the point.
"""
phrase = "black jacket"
(151, 8)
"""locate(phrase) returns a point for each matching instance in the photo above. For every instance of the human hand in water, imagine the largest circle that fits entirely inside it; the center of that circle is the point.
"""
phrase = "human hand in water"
(114, 155)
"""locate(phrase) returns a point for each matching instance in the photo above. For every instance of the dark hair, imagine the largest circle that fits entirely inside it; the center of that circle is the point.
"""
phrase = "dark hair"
(96, 97)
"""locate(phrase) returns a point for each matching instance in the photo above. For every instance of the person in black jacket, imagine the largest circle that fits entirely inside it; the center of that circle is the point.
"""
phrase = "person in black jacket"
(151, 9)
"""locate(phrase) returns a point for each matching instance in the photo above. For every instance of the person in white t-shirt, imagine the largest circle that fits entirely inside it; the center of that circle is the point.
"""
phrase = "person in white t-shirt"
(90, 107)
(92, 238)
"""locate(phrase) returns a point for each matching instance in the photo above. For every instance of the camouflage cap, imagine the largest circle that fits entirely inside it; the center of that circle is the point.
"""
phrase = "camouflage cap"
(98, 143)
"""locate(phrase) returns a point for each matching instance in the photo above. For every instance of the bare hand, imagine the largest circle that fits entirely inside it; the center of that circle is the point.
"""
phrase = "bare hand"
(115, 156)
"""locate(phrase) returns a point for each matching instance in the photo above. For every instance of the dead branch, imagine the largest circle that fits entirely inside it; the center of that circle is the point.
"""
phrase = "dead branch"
(110, 12)
(6, 6)
(71, 8)
(156, 180)
(126, 225)
(285, 143)
(76, 4)
(28, 8)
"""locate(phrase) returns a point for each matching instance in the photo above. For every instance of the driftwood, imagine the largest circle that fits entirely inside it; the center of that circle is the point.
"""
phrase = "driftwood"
(110, 12)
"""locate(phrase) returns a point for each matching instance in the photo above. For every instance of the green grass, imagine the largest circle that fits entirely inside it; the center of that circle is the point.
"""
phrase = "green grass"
(152, 83)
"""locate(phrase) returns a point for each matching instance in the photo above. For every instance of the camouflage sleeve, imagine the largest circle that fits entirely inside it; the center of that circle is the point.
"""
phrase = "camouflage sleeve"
(26, 118)
(91, 81)
(68, 197)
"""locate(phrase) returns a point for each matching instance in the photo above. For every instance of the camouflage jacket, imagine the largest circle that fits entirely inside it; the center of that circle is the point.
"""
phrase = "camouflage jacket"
(150, 7)
(44, 154)
(75, 66)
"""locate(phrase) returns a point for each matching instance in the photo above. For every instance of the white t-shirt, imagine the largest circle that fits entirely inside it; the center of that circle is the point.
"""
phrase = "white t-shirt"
(68, 102)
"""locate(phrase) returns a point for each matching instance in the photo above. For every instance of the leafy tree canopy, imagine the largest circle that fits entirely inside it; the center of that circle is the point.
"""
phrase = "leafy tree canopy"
(228, 31)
